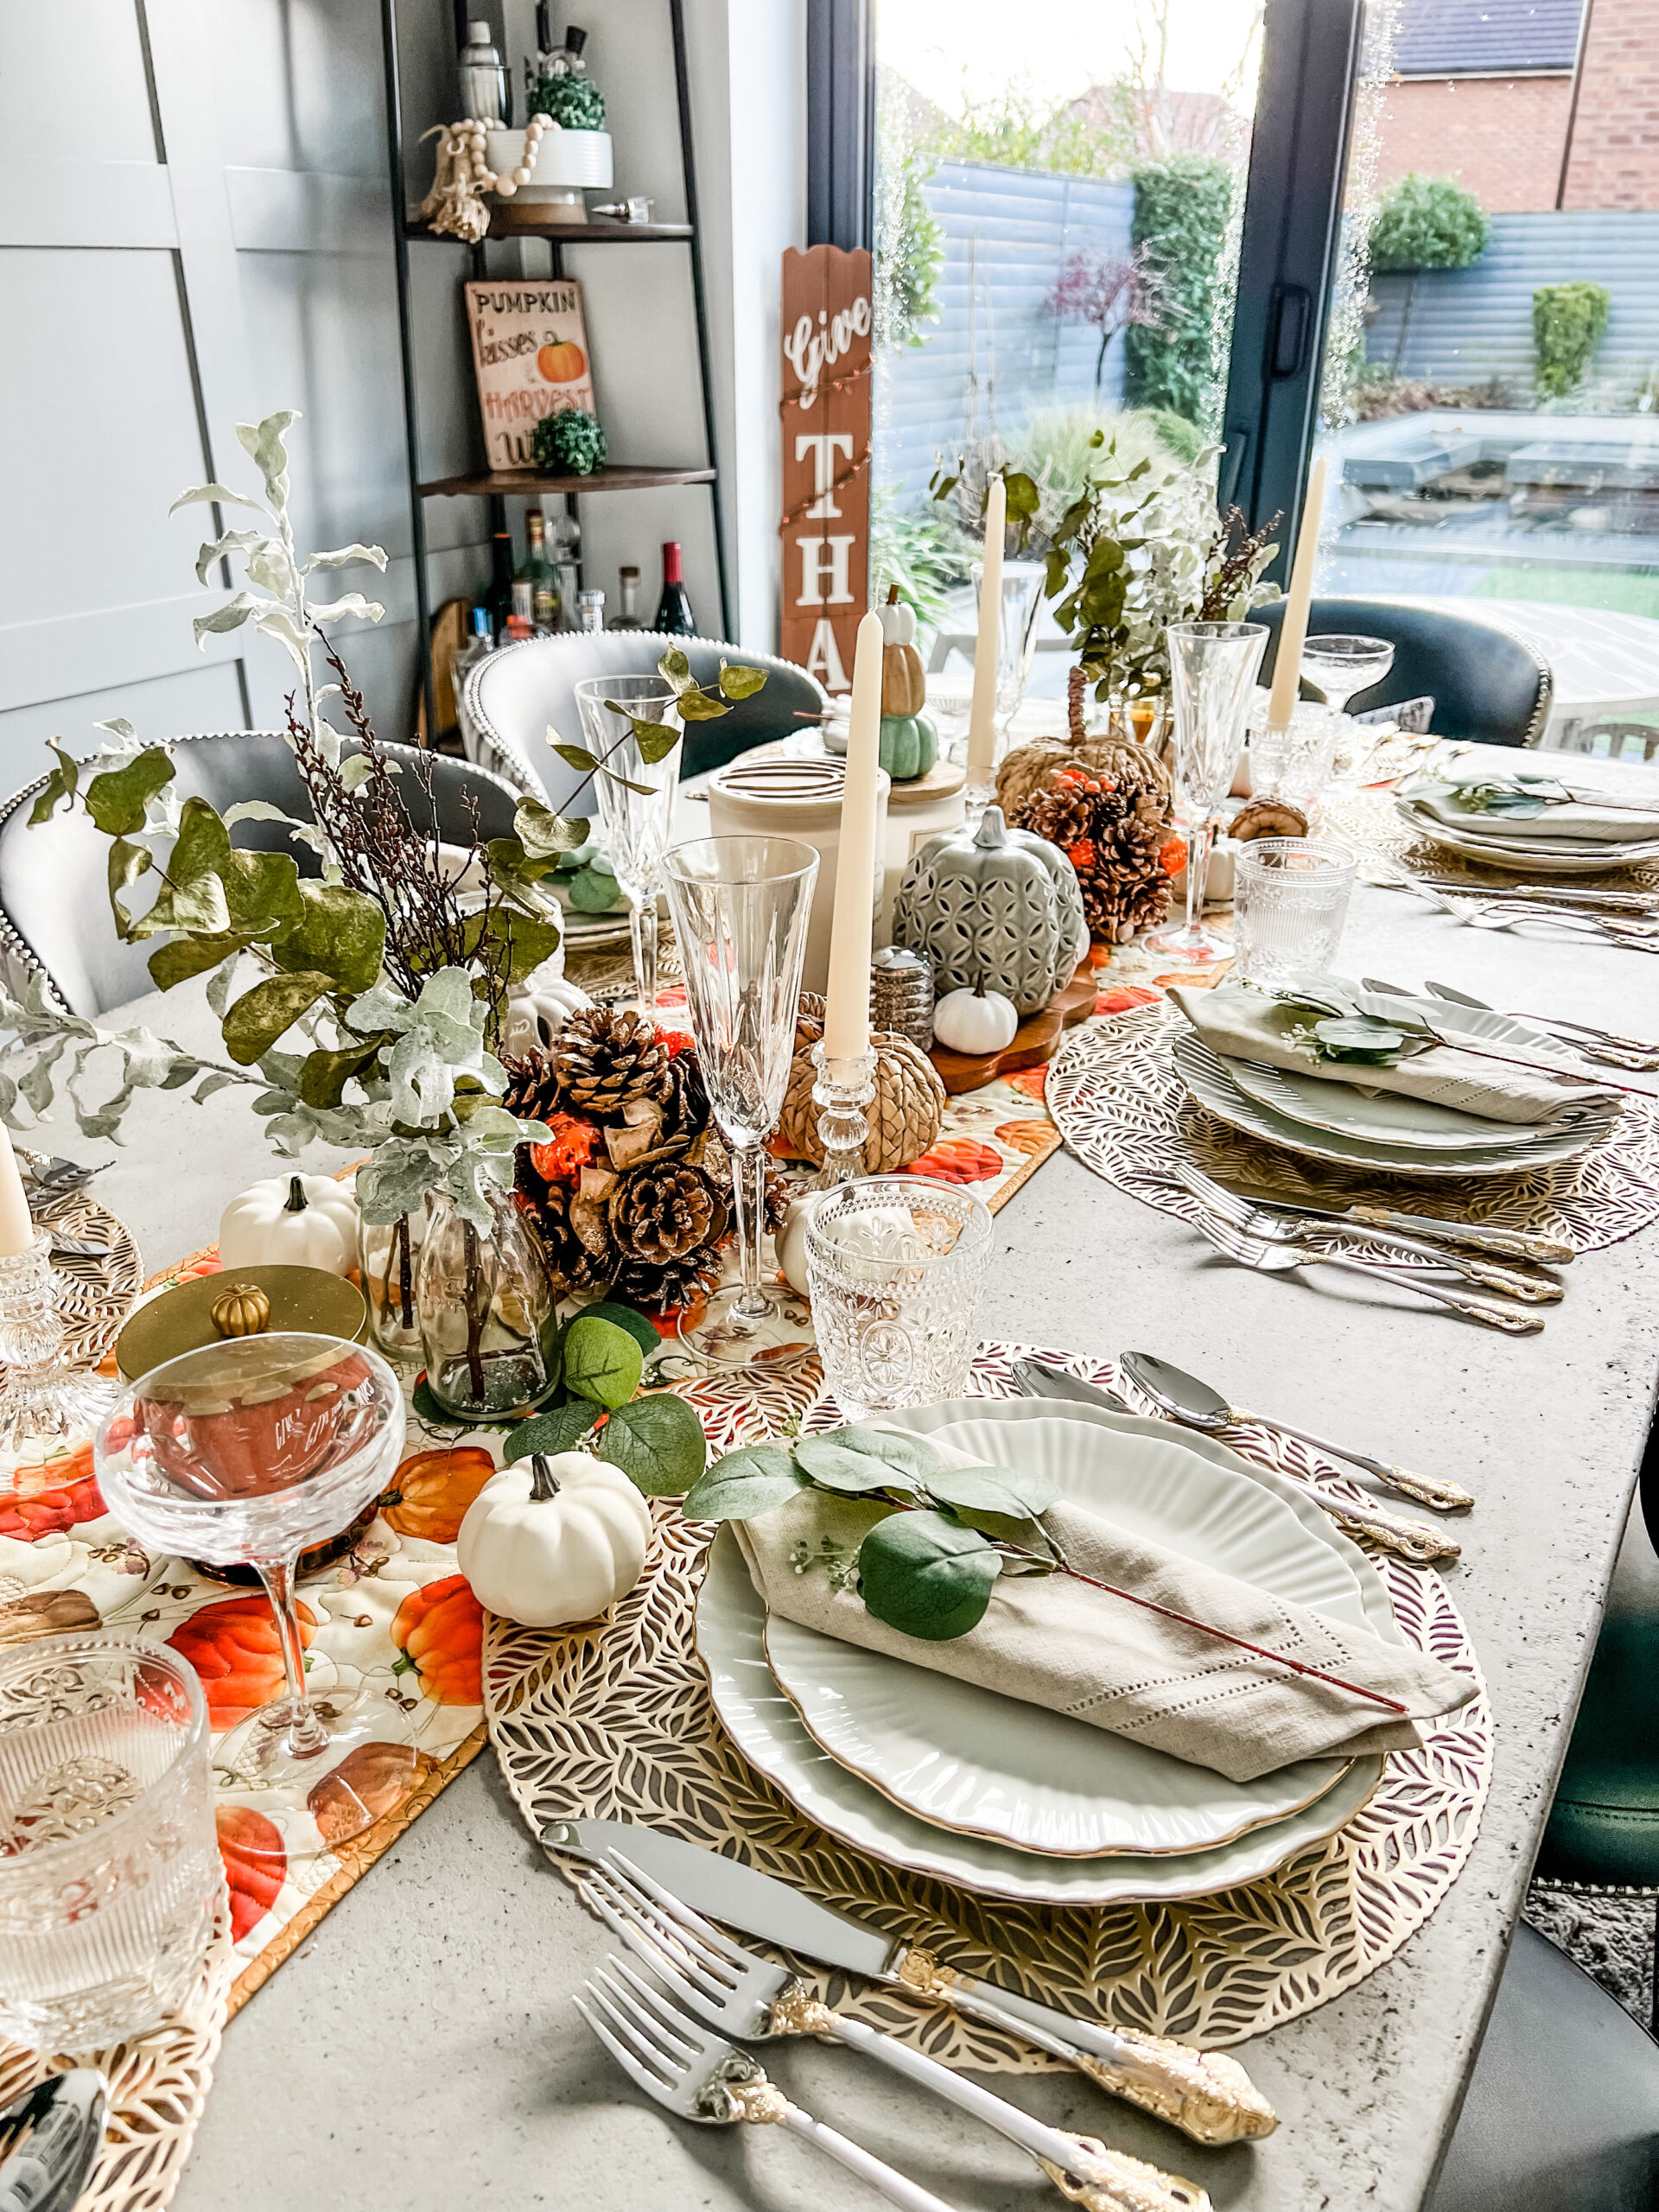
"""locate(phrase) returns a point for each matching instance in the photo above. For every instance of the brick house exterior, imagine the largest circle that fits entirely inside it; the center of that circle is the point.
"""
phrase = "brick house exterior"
(1485, 92)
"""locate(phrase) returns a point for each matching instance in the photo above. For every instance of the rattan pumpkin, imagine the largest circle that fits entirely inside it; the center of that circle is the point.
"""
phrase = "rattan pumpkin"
(905, 1116)
(1031, 768)
(994, 909)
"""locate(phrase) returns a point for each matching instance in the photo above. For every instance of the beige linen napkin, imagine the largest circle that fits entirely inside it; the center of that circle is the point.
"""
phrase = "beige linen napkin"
(1242, 1025)
(1611, 825)
(1054, 1642)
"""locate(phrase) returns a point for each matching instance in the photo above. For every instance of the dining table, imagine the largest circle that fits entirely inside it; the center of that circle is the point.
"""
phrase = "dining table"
(420, 2048)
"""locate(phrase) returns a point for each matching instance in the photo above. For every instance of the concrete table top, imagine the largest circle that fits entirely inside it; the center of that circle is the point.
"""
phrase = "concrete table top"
(420, 2051)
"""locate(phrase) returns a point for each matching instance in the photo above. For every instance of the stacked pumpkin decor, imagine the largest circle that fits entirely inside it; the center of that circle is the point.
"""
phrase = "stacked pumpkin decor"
(620, 1193)
(910, 741)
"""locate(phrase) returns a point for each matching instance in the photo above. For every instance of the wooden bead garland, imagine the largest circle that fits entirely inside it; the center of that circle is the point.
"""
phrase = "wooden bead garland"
(905, 1116)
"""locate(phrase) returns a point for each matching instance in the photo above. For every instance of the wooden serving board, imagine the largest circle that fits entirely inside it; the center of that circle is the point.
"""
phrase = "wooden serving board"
(1034, 1041)
(942, 780)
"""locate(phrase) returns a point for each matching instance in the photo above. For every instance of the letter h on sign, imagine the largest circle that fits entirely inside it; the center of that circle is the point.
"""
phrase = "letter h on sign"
(826, 441)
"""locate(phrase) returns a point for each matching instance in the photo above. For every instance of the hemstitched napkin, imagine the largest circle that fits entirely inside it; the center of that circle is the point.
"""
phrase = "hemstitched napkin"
(1242, 1025)
(1054, 1642)
(1611, 825)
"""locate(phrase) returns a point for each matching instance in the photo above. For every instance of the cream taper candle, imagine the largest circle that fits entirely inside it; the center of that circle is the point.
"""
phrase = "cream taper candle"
(847, 1001)
(16, 1229)
(982, 721)
(1292, 632)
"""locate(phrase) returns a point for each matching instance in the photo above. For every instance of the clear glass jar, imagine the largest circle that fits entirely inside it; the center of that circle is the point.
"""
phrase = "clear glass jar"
(389, 1263)
(484, 1309)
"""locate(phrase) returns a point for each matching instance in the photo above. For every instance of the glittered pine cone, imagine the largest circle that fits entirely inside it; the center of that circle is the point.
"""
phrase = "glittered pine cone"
(605, 1060)
(684, 1098)
(672, 1285)
(532, 1092)
(1114, 836)
(661, 1213)
(782, 1187)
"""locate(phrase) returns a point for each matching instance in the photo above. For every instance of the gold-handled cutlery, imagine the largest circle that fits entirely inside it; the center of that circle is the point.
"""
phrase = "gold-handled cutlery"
(1594, 1044)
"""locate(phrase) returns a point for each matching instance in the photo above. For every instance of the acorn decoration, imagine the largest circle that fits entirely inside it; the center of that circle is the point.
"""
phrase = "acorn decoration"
(909, 739)
(242, 1311)
(905, 1115)
(1267, 817)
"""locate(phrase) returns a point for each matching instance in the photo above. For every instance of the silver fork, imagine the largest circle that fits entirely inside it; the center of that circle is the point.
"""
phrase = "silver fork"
(1277, 1258)
(733, 1988)
(1476, 912)
(703, 2077)
(1256, 1220)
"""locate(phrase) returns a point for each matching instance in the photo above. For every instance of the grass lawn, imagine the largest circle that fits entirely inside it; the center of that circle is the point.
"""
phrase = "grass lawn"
(1615, 591)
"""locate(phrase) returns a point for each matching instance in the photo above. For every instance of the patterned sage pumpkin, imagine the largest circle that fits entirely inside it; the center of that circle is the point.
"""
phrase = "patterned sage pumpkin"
(994, 909)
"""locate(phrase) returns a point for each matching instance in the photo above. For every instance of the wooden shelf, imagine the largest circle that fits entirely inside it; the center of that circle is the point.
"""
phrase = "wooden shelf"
(512, 222)
(527, 483)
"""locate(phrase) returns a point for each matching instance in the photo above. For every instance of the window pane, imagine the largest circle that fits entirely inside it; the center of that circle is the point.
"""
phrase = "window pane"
(1493, 368)
(1058, 203)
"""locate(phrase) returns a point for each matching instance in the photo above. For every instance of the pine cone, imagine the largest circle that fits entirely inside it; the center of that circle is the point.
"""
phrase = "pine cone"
(661, 1213)
(603, 1060)
(781, 1188)
(532, 1092)
(547, 1208)
(684, 1097)
(668, 1285)
(1114, 835)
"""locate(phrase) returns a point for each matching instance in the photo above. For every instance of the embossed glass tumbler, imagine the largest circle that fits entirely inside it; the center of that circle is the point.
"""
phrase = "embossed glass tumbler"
(740, 908)
(254, 1451)
(109, 1868)
(892, 1268)
(634, 800)
(1212, 668)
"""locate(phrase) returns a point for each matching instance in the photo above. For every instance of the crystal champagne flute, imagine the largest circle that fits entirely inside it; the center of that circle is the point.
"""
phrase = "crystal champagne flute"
(1212, 668)
(634, 800)
(740, 908)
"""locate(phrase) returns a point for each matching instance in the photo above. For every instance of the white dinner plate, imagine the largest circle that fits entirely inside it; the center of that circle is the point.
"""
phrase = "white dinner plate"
(1571, 856)
(731, 1628)
(1209, 1082)
(1386, 1116)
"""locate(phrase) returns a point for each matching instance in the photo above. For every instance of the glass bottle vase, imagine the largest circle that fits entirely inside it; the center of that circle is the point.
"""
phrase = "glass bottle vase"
(485, 1306)
(389, 1263)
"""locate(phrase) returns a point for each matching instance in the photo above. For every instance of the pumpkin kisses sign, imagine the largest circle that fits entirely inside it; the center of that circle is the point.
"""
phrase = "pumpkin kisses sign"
(529, 351)
(826, 435)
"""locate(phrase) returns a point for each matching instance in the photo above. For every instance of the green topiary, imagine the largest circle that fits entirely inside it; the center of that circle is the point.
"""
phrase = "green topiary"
(1568, 323)
(1181, 207)
(570, 444)
(1427, 222)
(574, 103)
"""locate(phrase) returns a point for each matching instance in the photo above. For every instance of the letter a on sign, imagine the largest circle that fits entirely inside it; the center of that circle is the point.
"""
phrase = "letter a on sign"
(826, 434)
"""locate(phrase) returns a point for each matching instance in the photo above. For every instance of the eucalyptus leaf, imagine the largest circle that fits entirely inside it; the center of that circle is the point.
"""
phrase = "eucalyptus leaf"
(658, 1443)
(624, 1317)
(644, 791)
(743, 1484)
(127, 863)
(1362, 1033)
(851, 1472)
(260, 1016)
(574, 756)
(925, 1577)
(740, 683)
(541, 832)
(561, 1430)
(675, 668)
(601, 1361)
(592, 892)
(117, 799)
(656, 740)
(199, 905)
(325, 1073)
(182, 957)
(1003, 1491)
(914, 1455)
(342, 932)
(698, 707)
(59, 783)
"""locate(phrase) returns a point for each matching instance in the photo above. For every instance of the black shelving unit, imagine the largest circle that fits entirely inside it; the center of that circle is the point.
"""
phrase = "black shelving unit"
(510, 219)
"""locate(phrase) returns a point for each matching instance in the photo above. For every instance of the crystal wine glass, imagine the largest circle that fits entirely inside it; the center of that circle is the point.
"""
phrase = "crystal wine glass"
(635, 802)
(1022, 597)
(252, 1451)
(1212, 668)
(1340, 666)
(740, 908)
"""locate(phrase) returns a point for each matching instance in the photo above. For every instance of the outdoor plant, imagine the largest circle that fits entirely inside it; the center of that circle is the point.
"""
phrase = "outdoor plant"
(1178, 231)
(1568, 323)
(1425, 222)
(1109, 293)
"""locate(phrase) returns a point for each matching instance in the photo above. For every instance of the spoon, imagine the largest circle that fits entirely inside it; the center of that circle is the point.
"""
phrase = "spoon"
(49, 2138)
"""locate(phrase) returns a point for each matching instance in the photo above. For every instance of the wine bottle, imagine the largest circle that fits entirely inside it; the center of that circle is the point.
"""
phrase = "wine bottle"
(539, 573)
(499, 602)
(674, 617)
(628, 578)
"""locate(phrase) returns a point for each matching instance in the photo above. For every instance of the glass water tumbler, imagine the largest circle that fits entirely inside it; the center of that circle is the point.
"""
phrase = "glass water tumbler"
(109, 1867)
(1290, 900)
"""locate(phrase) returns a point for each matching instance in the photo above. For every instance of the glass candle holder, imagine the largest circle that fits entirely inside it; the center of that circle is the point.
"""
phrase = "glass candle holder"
(1290, 900)
(892, 1266)
(109, 1867)
(40, 1394)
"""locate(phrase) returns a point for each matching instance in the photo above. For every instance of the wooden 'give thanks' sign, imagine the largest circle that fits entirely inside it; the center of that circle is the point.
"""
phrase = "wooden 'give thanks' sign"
(826, 423)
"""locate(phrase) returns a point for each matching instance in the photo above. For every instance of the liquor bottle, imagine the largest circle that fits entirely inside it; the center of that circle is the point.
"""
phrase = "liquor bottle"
(591, 610)
(477, 648)
(498, 604)
(483, 80)
(539, 573)
(673, 608)
(629, 618)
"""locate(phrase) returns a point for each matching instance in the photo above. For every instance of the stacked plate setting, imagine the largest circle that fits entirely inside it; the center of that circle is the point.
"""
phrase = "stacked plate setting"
(991, 1795)
(1341, 1123)
(1544, 854)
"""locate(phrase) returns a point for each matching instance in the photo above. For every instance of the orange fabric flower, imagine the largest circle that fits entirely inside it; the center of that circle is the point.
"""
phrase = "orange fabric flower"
(1082, 854)
(561, 1157)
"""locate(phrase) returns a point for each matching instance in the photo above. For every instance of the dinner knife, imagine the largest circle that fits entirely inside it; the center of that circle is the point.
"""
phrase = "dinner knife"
(1205, 2094)
(1415, 1540)
(1604, 1044)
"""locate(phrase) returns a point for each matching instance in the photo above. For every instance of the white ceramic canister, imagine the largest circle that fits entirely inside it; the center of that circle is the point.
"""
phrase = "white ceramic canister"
(797, 798)
(566, 162)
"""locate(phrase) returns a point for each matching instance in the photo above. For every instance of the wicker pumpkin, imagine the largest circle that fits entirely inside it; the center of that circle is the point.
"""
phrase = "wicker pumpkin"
(994, 909)
(1031, 768)
(905, 1115)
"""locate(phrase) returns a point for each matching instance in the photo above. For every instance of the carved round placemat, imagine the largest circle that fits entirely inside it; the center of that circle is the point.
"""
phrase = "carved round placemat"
(95, 1296)
(158, 2086)
(1120, 1105)
(615, 1721)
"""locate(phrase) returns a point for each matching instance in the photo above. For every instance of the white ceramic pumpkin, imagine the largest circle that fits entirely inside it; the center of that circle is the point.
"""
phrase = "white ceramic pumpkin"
(554, 1539)
(877, 1234)
(291, 1221)
(538, 1008)
(975, 1022)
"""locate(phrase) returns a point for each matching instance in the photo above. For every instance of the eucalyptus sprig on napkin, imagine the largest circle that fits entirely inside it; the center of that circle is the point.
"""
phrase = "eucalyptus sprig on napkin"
(1344, 1030)
(947, 1533)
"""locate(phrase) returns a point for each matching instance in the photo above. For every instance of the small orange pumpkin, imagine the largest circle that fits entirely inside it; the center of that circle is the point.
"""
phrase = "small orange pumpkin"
(564, 363)
(439, 1633)
(235, 1648)
(958, 1160)
(46, 1498)
(431, 1491)
(255, 1861)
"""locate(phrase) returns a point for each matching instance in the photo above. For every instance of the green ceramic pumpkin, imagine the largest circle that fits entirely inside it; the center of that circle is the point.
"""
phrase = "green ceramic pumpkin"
(910, 746)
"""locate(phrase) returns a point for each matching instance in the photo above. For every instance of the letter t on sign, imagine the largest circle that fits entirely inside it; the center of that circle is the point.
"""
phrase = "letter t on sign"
(825, 354)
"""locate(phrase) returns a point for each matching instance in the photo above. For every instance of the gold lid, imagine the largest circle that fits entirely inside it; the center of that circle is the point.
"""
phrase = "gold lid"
(306, 1299)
